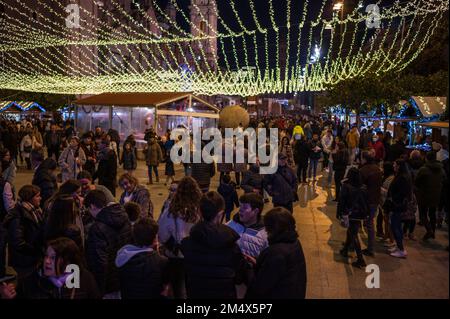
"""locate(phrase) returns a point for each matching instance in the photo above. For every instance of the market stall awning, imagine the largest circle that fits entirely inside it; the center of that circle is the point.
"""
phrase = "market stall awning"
(439, 124)
(156, 99)
(430, 105)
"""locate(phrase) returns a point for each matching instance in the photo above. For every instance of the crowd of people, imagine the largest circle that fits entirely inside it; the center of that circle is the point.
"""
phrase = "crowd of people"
(197, 248)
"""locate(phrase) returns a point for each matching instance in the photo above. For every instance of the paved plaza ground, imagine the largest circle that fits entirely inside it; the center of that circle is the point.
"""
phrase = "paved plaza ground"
(424, 274)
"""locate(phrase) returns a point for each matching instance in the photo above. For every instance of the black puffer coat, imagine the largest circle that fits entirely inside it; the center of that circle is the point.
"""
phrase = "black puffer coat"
(110, 231)
(25, 238)
(213, 261)
(280, 271)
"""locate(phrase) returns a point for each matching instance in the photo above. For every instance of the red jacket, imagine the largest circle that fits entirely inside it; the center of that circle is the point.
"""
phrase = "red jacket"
(379, 149)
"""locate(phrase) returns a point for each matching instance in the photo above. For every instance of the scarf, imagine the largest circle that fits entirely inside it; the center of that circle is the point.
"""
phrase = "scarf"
(59, 281)
(36, 213)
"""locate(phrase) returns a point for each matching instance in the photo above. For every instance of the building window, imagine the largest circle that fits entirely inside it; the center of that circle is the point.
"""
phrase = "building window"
(203, 27)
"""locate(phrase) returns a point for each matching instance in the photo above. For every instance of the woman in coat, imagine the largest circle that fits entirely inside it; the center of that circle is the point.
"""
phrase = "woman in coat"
(175, 223)
(25, 229)
(128, 158)
(280, 269)
(27, 144)
(71, 160)
(153, 156)
(400, 193)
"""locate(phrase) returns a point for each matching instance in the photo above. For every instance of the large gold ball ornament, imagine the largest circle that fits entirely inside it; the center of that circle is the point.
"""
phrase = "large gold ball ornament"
(232, 116)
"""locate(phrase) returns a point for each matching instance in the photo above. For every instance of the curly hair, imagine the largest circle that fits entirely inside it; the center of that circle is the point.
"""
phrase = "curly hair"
(186, 201)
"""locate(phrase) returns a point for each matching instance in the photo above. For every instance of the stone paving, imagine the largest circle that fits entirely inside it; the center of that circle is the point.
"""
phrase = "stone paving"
(424, 274)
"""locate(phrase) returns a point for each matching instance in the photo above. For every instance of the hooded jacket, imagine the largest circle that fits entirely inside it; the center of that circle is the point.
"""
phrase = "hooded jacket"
(153, 154)
(143, 272)
(213, 261)
(110, 231)
(429, 181)
(253, 239)
(280, 271)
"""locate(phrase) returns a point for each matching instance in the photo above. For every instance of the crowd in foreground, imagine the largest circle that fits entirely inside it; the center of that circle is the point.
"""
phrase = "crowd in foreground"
(197, 248)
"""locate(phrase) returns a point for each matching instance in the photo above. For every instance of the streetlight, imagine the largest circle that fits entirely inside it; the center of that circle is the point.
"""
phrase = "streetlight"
(338, 6)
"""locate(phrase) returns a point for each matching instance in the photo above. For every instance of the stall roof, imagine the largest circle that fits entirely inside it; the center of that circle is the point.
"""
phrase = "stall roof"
(140, 99)
(431, 105)
(20, 106)
(434, 124)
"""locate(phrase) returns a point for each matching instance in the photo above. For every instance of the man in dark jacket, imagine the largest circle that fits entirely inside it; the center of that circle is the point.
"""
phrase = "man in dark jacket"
(52, 141)
(373, 179)
(202, 173)
(143, 271)
(429, 181)
(213, 261)
(282, 185)
(301, 156)
(107, 167)
(110, 231)
(315, 152)
(280, 269)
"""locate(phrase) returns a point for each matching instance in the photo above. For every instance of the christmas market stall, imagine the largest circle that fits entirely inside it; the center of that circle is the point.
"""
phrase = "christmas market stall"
(133, 113)
(19, 109)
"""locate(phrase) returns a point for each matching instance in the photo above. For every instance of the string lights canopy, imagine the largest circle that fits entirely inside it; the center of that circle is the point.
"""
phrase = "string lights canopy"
(230, 47)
